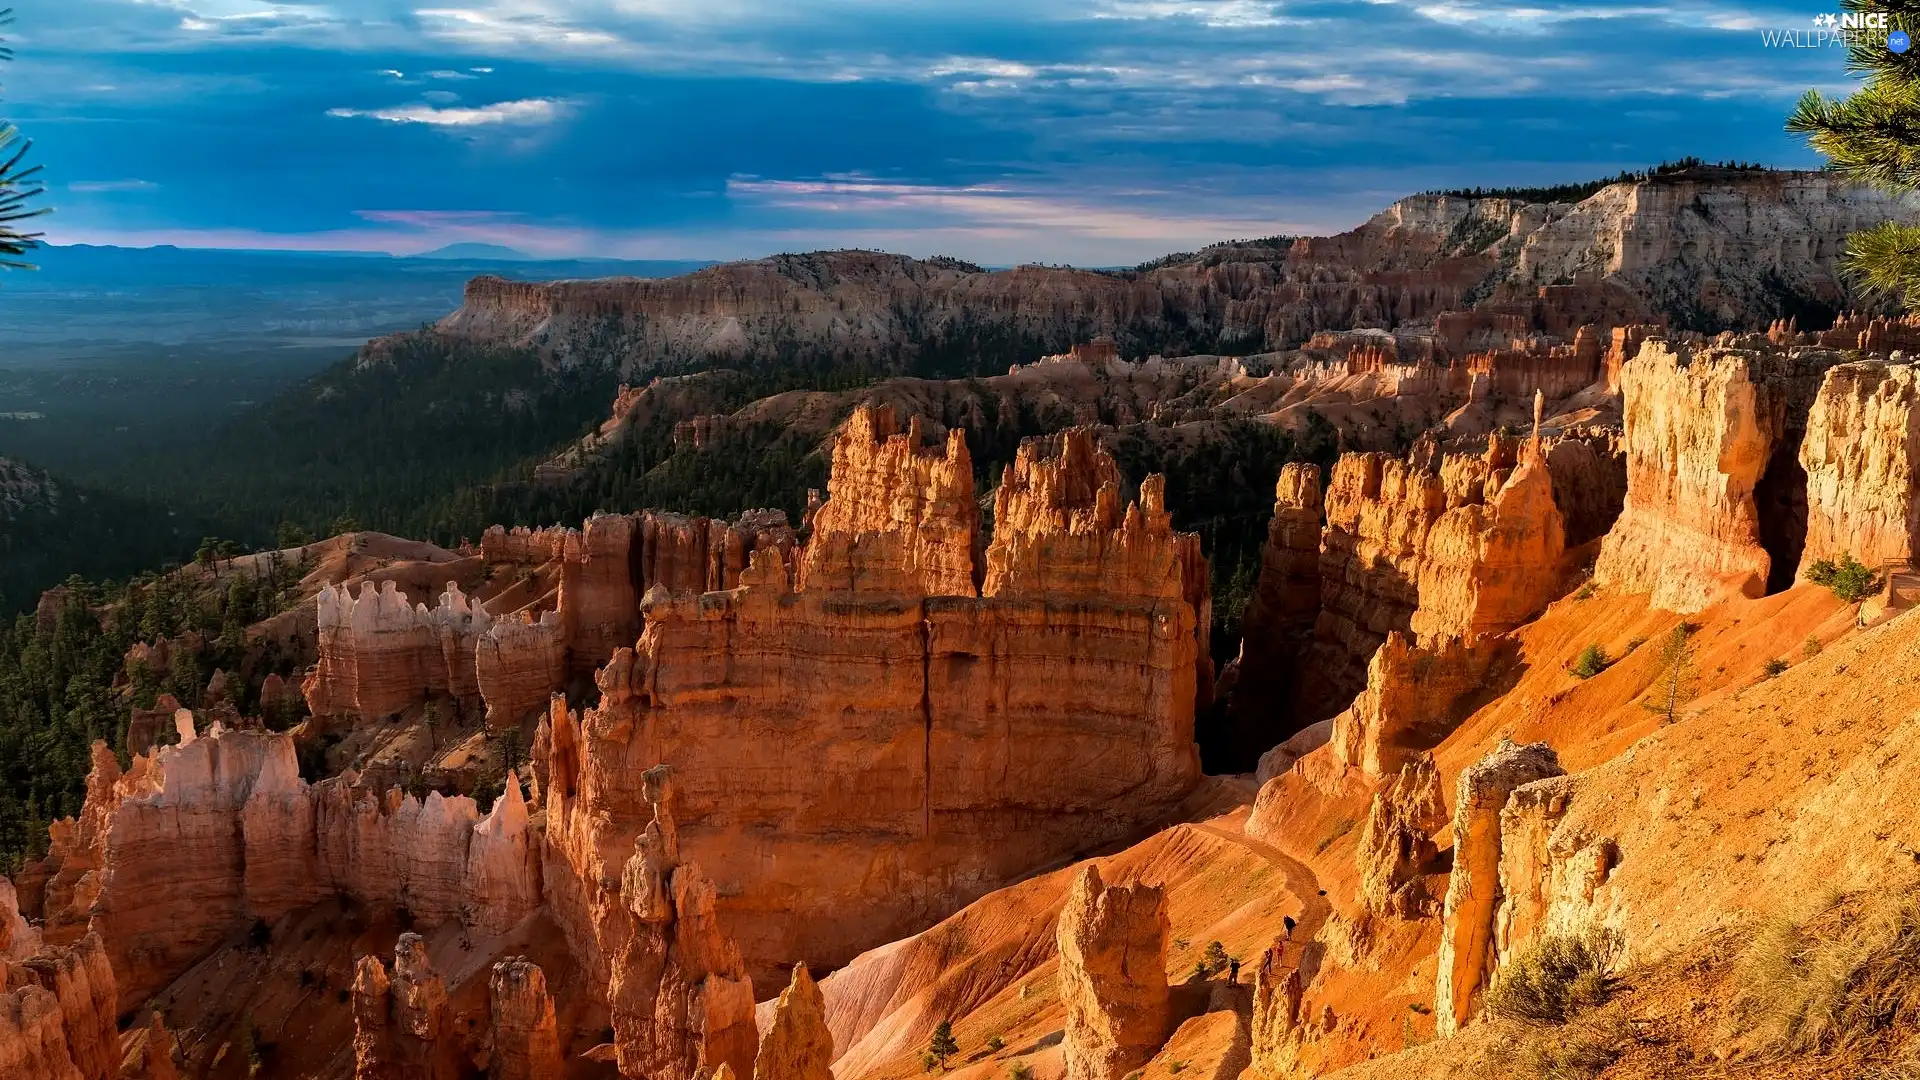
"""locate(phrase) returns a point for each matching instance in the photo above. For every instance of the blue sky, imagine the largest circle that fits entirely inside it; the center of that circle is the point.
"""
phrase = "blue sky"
(1095, 132)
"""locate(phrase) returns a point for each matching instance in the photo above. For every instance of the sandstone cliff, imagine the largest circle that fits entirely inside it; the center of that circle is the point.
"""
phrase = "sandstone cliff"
(1861, 454)
(1707, 248)
(1716, 501)
(196, 840)
(904, 750)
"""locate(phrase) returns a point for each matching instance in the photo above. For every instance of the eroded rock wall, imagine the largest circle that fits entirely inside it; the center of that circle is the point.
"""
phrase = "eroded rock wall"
(1468, 953)
(1713, 499)
(1862, 459)
(856, 761)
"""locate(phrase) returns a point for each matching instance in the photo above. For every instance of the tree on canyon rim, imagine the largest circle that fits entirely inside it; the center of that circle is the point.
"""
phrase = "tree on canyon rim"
(18, 186)
(1872, 136)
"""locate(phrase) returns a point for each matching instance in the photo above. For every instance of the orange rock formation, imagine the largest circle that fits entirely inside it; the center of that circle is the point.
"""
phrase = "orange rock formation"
(526, 1039)
(1467, 945)
(1113, 960)
(797, 1045)
(862, 756)
(1862, 457)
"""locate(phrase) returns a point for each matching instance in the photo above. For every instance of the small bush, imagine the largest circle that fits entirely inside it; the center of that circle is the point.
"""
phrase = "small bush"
(1591, 661)
(1216, 957)
(1555, 977)
(1019, 1070)
(1848, 578)
(1775, 668)
(1849, 973)
(1578, 1051)
(928, 1062)
(995, 1044)
(1175, 1066)
(1811, 647)
(1586, 592)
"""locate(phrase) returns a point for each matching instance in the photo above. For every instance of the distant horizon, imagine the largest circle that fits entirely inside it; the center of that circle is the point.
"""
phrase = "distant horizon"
(1083, 132)
(513, 255)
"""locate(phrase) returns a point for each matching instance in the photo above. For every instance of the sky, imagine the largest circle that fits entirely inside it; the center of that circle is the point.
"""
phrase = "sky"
(1092, 132)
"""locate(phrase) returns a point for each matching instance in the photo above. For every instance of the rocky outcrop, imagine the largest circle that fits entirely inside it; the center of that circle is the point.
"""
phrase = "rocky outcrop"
(682, 1001)
(1451, 551)
(898, 520)
(1467, 951)
(196, 840)
(526, 1039)
(1413, 697)
(893, 754)
(58, 1014)
(1277, 993)
(1113, 976)
(1704, 247)
(1862, 458)
(1553, 881)
(798, 1045)
(519, 663)
(380, 654)
(402, 1024)
(151, 1055)
(1396, 843)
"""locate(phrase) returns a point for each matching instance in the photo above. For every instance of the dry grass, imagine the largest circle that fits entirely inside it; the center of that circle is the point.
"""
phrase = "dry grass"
(1556, 977)
(1578, 1051)
(1847, 976)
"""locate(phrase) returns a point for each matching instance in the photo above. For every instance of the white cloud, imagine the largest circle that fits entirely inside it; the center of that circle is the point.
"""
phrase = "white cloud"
(104, 186)
(525, 112)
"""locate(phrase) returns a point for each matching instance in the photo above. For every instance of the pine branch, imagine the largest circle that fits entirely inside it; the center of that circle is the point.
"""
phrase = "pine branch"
(1885, 261)
(1871, 136)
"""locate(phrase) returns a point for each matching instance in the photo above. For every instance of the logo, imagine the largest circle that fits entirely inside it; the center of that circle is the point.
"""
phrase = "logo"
(1841, 30)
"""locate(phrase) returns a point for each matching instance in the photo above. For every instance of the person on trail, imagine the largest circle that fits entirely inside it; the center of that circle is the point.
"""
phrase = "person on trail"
(1233, 973)
(1290, 924)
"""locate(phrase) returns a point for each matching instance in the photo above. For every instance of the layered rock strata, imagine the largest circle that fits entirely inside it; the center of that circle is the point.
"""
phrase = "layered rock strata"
(861, 757)
(58, 1010)
(196, 840)
(1716, 498)
(1862, 458)
(1468, 954)
(380, 654)
(1113, 976)
(1425, 566)
(681, 1000)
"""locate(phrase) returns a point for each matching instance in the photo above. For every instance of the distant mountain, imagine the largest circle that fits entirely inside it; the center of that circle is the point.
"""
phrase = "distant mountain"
(497, 252)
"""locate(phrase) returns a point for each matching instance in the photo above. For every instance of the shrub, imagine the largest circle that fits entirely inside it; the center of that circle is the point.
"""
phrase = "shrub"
(1555, 977)
(1216, 957)
(928, 1062)
(1775, 667)
(1811, 647)
(1019, 1070)
(1175, 1066)
(1586, 592)
(1848, 973)
(943, 1044)
(1848, 578)
(995, 1044)
(1578, 1051)
(1591, 661)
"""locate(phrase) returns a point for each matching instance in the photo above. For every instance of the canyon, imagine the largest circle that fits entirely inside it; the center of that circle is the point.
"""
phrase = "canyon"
(1540, 649)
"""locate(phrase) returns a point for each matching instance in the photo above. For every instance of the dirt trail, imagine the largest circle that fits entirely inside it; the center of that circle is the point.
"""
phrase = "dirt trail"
(1301, 882)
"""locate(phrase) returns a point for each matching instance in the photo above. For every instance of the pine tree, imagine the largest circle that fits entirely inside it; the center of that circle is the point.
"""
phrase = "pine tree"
(18, 186)
(1674, 687)
(943, 1045)
(1872, 136)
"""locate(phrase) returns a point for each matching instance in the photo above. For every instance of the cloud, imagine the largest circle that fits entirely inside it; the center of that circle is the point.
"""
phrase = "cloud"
(90, 187)
(530, 111)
